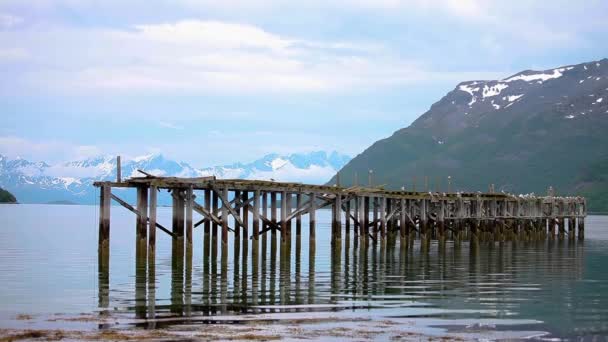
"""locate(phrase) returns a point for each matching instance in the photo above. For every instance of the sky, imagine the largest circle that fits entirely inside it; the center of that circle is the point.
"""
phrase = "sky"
(216, 82)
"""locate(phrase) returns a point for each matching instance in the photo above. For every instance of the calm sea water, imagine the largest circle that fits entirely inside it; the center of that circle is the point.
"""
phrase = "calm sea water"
(48, 265)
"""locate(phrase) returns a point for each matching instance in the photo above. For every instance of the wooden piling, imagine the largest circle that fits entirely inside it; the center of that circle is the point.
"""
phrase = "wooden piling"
(361, 217)
(142, 208)
(225, 218)
(152, 222)
(105, 197)
(337, 219)
(215, 207)
(423, 219)
(347, 217)
(256, 215)
(312, 216)
(356, 216)
(298, 216)
(118, 170)
(207, 223)
(237, 227)
(245, 217)
(402, 222)
(375, 226)
(389, 221)
(366, 216)
(189, 208)
(273, 211)
(288, 211)
(178, 214)
(383, 217)
(284, 216)
(441, 221)
(264, 209)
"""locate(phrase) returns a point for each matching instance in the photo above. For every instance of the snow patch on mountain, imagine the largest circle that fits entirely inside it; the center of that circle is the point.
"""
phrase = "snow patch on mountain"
(493, 90)
(541, 76)
(471, 91)
(513, 98)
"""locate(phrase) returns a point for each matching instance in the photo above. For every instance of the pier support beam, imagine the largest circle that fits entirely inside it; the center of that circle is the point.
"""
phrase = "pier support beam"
(402, 220)
(312, 216)
(356, 216)
(361, 217)
(189, 208)
(256, 215)
(215, 206)
(347, 217)
(284, 216)
(288, 211)
(366, 217)
(105, 196)
(237, 228)
(225, 205)
(207, 223)
(441, 221)
(299, 215)
(423, 219)
(152, 222)
(273, 211)
(383, 214)
(245, 217)
(264, 209)
(375, 226)
(142, 208)
(336, 235)
(178, 214)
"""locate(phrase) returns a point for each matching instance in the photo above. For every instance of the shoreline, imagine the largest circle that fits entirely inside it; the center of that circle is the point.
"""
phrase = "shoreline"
(309, 326)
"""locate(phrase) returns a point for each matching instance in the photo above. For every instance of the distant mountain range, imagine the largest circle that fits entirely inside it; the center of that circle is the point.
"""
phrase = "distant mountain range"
(523, 133)
(39, 182)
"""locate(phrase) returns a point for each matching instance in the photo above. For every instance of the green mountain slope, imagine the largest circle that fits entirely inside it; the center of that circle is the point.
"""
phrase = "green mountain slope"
(523, 134)
(7, 197)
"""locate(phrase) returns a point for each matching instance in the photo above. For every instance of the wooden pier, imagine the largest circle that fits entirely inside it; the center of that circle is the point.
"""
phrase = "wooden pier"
(252, 208)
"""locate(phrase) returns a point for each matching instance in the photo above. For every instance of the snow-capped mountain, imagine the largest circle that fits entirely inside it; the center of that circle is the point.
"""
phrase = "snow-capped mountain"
(312, 168)
(571, 92)
(523, 133)
(39, 182)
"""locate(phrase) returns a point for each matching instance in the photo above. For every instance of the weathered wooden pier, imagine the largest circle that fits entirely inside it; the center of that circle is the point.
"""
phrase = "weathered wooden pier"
(232, 206)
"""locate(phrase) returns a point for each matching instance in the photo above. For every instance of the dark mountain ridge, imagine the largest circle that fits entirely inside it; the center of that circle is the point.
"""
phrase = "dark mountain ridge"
(524, 133)
(7, 197)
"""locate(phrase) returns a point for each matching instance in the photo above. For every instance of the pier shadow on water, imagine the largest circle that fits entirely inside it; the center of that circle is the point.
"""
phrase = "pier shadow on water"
(458, 286)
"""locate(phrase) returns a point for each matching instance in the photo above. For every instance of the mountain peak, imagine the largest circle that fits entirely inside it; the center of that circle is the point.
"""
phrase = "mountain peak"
(566, 90)
(148, 157)
(519, 133)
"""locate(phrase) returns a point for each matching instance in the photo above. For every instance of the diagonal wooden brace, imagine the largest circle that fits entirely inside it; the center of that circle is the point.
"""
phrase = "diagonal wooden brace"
(136, 212)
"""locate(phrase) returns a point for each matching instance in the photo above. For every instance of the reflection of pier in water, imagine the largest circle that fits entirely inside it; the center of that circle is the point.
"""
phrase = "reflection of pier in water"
(489, 274)
(384, 234)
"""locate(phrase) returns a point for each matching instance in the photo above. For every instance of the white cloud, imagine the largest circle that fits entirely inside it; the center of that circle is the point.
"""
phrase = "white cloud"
(212, 34)
(170, 125)
(208, 57)
(8, 21)
(13, 54)
(465, 8)
(48, 150)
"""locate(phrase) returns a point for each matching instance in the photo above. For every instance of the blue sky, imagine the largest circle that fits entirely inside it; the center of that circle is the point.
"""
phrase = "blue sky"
(212, 82)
